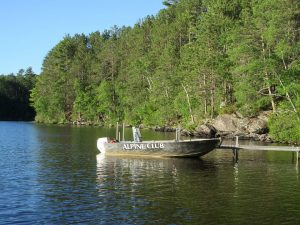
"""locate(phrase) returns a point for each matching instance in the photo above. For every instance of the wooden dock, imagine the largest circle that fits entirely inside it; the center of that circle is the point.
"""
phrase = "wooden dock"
(235, 148)
(261, 148)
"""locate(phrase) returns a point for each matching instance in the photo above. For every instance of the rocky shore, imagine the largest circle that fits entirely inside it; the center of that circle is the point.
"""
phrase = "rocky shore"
(229, 126)
(225, 126)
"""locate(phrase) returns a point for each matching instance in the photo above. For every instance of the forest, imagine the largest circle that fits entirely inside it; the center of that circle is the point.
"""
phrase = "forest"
(194, 60)
(15, 95)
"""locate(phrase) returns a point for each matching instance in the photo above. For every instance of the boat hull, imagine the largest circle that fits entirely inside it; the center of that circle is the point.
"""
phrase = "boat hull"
(191, 148)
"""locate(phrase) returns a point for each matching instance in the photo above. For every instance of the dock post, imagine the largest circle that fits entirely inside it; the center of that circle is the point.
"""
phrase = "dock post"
(297, 157)
(123, 132)
(117, 131)
(236, 141)
(235, 150)
(177, 134)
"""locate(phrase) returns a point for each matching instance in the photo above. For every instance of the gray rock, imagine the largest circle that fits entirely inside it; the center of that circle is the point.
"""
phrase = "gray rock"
(225, 123)
(239, 115)
(206, 131)
(258, 126)
(242, 125)
(229, 126)
(265, 138)
(186, 133)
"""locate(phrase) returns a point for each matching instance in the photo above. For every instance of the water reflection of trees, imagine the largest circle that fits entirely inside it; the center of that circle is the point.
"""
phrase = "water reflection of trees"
(73, 185)
(159, 189)
(66, 175)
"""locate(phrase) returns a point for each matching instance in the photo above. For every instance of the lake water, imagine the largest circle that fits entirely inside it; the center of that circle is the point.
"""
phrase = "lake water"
(55, 175)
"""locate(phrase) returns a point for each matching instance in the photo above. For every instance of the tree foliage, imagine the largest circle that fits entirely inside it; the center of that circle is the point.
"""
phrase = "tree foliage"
(15, 94)
(194, 60)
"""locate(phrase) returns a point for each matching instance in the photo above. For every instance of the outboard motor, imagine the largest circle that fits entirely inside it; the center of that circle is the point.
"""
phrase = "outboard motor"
(137, 137)
(100, 144)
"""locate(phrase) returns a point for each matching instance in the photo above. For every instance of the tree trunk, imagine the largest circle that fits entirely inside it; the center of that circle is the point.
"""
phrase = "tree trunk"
(189, 103)
(267, 76)
(271, 94)
(149, 83)
(205, 94)
(212, 102)
(225, 93)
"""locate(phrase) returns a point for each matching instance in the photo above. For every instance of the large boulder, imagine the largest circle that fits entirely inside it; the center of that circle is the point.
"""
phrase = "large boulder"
(225, 123)
(205, 131)
(232, 125)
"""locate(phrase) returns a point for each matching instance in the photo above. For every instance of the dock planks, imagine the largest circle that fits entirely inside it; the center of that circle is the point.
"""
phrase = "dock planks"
(261, 148)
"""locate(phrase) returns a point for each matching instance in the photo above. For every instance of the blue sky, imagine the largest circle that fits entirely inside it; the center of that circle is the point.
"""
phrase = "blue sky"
(30, 28)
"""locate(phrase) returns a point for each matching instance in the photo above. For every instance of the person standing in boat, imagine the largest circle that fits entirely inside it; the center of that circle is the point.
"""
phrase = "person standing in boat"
(137, 137)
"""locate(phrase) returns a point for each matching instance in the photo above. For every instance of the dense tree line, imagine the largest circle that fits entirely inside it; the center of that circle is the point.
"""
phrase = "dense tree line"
(194, 60)
(15, 95)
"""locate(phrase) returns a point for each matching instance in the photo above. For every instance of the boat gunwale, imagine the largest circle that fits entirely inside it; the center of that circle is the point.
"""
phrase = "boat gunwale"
(166, 141)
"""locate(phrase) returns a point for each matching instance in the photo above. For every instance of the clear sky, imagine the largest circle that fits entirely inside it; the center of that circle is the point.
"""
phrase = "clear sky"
(31, 28)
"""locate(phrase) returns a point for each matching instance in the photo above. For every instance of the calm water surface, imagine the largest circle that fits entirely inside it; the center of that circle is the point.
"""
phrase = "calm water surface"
(54, 175)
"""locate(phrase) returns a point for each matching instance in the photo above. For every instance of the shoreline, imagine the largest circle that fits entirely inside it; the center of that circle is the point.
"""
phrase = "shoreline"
(205, 130)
